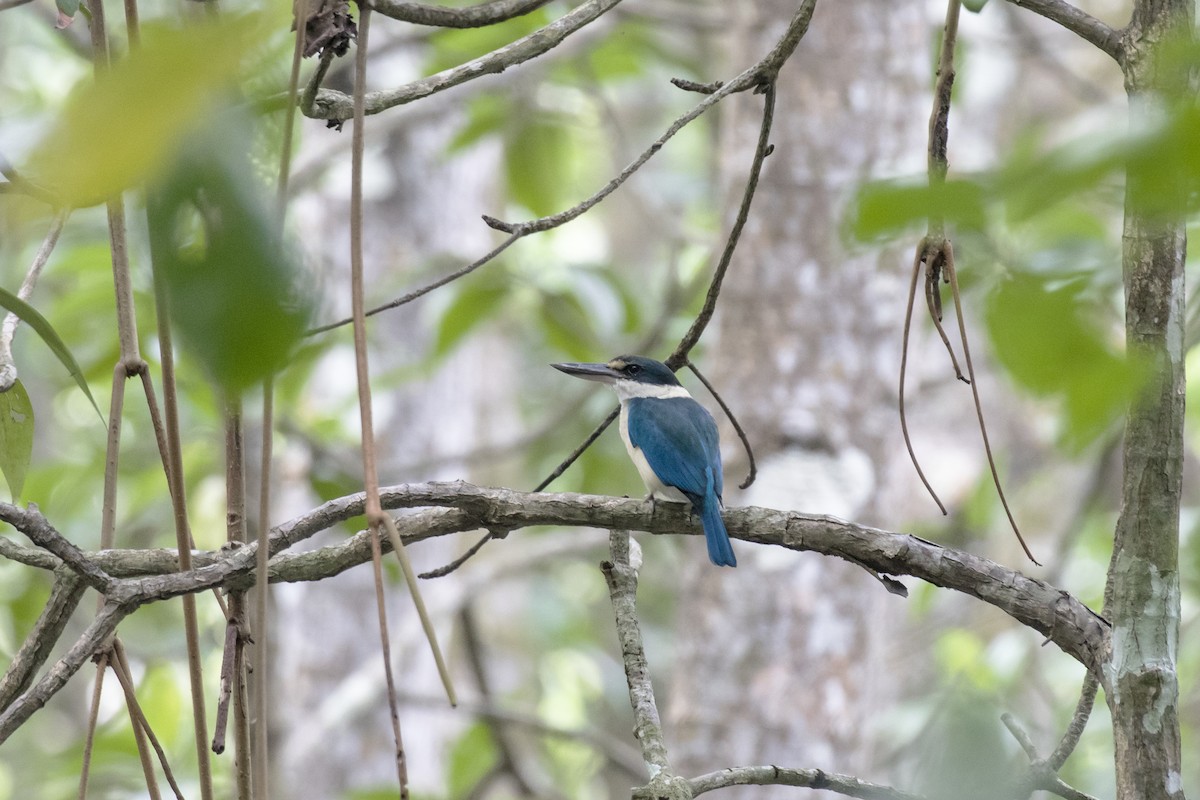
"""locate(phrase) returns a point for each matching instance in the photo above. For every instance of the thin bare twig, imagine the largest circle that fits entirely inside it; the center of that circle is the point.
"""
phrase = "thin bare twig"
(19, 183)
(987, 446)
(808, 778)
(912, 289)
(183, 536)
(753, 468)
(374, 511)
(89, 739)
(679, 356)
(426, 289)
(1079, 720)
(220, 727)
(91, 641)
(1079, 23)
(478, 16)
(31, 522)
(64, 598)
(333, 105)
(120, 665)
(1041, 775)
(621, 575)
(8, 368)
(508, 762)
(443, 571)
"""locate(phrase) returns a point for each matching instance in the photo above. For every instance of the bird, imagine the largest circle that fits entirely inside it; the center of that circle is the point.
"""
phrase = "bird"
(671, 439)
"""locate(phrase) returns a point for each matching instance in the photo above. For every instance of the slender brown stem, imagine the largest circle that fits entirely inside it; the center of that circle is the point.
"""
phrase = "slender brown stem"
(912, 293)
(385, 648)
(753, 470)
(112, 454)
(93, 717)
(137, 720)
(183, 535)
(260, 655)
(374, 511)
(125, 676)
(242, 765)
(221, 725)
(987, 446)
(8, 329)
(443, 571)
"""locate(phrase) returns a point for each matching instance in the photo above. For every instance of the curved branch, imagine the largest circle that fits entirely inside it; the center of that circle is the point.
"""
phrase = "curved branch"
(330, 104)
(807, 778)
(1055, 613)
(1079, 23)
(64, 599)
(479, 16)
(92, 639)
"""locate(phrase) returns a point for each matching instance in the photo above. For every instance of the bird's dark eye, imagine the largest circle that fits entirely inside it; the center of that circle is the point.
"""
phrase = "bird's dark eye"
(633, 369)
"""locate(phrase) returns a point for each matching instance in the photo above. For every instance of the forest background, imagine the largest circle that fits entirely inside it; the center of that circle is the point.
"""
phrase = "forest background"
(799, 660)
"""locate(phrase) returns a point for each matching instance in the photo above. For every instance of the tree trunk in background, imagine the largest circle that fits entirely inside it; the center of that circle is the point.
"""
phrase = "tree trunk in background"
(327, 637)
(1144, 574)
(786, 656)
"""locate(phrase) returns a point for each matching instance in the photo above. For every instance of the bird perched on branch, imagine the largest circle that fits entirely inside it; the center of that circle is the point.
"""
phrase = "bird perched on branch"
(671, 438)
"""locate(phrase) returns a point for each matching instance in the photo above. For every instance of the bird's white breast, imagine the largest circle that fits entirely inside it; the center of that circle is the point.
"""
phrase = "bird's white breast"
(656, 487)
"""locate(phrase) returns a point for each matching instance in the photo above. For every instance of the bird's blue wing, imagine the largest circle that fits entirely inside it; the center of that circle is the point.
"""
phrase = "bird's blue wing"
(679, 440)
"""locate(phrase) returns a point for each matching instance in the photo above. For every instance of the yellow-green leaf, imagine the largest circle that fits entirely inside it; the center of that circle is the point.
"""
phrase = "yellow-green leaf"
(120, 129)
(237, 295)
(42, 327)
(16, 437)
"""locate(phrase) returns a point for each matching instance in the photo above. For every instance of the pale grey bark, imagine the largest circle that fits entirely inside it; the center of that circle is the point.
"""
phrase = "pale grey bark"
(779, 661)
(1145, 601)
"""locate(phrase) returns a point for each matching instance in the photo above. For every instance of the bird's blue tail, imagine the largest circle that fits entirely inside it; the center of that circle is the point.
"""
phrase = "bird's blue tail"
(720, 550)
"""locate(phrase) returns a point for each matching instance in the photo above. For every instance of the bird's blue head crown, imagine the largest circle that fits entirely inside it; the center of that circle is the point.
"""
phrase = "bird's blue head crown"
(643, 370)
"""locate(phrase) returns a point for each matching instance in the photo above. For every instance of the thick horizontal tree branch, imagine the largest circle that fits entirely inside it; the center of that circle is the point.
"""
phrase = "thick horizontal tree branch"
(330, 104)
(1079, 23)
(808, 778)
(479, 16)
(1056, 614)
(30, 522)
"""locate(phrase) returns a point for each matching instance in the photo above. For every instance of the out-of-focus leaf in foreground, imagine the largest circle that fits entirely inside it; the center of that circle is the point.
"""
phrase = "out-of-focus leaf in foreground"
(42, 327)
(120, 129)
(237, 296)
(1042, 333)
(16, 437)
(885, 208)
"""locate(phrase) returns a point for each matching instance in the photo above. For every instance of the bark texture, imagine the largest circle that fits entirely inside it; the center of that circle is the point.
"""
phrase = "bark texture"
(781, 654)
(1144, 572)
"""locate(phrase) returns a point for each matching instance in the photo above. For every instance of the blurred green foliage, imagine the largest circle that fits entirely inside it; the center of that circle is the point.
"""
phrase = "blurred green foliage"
(237, 296)
(120, 129)
(1039, 265)
(16, 437)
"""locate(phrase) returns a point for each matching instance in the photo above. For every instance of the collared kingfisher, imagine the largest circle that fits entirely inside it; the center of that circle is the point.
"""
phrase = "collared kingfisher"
(671, 438)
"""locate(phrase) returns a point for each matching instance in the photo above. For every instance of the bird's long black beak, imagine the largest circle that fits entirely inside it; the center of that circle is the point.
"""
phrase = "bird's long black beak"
(592, 372)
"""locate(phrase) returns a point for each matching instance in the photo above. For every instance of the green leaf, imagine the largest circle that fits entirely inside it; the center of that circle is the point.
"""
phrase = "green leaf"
(119, 130)
(535, 161)
(452, 47)
(974, 5)
(1044, 337)
(566, 325)
(475, 302)
(486, 114)
(473, 756)
(42, 327)
(234, 289)
(16, 437)
(885, 208)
